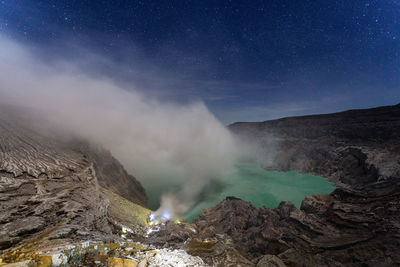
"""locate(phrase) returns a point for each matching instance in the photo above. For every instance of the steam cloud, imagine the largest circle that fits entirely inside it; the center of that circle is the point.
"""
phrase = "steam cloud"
(160, 143)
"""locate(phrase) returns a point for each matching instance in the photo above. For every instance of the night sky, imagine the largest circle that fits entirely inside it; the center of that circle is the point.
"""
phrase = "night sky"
(246, 60)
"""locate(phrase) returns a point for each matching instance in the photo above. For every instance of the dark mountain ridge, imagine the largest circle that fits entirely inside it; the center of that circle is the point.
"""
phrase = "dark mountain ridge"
(354, 146)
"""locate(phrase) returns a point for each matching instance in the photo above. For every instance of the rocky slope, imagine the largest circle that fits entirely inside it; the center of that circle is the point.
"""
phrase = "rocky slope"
(52, 190)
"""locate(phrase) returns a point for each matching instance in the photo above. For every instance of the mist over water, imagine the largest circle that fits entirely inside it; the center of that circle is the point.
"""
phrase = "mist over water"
(177, 148)
(263, 188)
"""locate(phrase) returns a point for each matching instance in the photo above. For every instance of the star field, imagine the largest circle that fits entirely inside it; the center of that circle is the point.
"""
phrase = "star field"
(243, 58)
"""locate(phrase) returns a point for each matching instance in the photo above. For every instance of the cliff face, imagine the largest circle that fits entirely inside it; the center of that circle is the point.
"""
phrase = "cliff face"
(351, 147)
(113, 176)
(50, 188)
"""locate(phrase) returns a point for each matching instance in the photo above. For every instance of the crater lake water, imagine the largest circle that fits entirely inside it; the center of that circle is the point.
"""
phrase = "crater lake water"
(252, 183)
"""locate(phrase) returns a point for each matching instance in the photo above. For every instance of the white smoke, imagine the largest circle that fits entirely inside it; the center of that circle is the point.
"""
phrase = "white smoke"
(154, 140)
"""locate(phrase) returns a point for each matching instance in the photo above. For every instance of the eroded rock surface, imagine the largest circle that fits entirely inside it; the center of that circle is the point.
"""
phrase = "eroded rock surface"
(50, 190)
(336, 230)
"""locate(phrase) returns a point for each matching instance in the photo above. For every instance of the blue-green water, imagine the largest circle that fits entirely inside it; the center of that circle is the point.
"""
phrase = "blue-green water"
(261, 187)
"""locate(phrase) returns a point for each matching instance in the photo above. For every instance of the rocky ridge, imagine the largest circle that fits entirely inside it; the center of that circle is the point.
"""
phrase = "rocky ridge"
(354, 147)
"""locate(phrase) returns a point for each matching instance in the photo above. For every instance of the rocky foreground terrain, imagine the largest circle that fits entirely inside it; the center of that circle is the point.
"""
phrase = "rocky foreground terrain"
(68, 202)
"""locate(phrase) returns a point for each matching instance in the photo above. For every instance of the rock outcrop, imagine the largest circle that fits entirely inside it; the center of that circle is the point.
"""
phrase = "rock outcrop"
(341, 229)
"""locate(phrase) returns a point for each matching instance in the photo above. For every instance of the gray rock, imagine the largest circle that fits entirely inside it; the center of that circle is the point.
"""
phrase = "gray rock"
(270, 261)
(143, 263)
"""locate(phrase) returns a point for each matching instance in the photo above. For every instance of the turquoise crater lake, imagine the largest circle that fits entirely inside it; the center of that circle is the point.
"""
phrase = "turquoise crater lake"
(265, 188)
(252, 183)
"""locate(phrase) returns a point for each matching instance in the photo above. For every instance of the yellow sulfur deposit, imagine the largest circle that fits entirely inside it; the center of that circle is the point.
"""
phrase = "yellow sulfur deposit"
(45, 260)
(117, 262)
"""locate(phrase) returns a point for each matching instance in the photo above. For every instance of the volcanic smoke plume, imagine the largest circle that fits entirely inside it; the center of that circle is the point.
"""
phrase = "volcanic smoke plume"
(158, 142)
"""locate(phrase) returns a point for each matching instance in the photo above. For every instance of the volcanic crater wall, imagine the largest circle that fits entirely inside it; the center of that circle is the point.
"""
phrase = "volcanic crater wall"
(351, 147)
(356, 225)
(50, 188)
